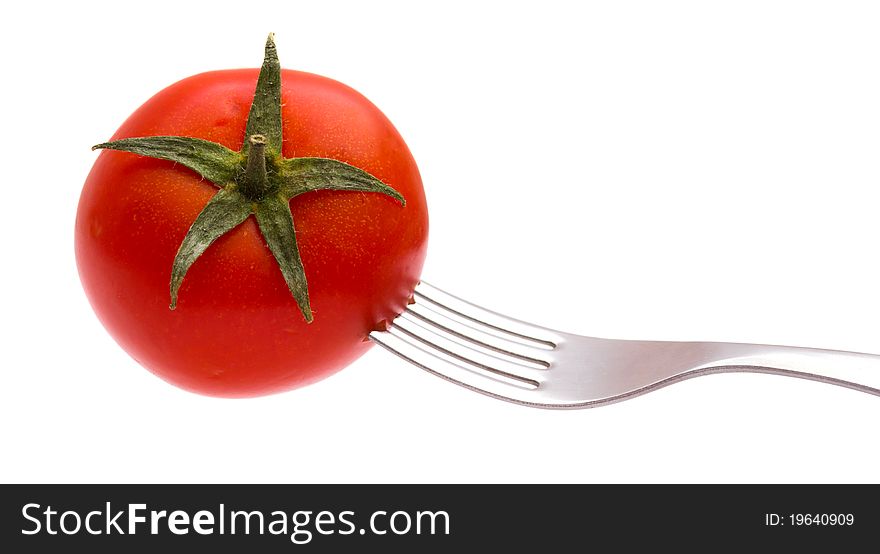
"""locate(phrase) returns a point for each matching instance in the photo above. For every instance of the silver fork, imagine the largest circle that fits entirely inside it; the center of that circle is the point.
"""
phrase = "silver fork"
(535, 366)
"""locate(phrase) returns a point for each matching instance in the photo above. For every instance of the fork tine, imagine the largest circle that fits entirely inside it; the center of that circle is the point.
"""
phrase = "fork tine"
(443, 321)
(498, 385)
(486, 321)
(471, 353)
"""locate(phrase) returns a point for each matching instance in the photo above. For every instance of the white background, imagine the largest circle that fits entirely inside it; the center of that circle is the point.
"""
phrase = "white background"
(674, 170)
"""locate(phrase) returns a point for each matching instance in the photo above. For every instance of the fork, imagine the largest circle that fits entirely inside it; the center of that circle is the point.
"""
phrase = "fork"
(535, 366)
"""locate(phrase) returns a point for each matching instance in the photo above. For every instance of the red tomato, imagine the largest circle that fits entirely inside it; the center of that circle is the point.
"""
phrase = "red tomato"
(236, 330)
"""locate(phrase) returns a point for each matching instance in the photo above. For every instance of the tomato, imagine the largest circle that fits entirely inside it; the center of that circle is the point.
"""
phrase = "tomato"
(236, 330)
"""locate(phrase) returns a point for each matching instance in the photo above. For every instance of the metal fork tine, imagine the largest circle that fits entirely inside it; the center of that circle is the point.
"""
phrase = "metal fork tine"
(497, 385)
(440, 321)
(486, 321)
(469, 352)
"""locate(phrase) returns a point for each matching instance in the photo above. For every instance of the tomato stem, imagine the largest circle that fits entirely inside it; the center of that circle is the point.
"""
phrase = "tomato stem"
(255, 184)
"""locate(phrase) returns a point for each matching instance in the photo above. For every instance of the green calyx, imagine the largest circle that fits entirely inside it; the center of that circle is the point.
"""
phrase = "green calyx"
(256, 181)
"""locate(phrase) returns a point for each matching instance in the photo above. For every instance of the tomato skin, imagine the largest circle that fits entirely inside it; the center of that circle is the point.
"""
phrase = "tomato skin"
(237, 331)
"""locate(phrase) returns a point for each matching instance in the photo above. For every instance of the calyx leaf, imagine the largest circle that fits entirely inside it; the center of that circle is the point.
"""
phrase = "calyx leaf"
(213, 161)
(276, 224)
(247, 188)
(265, 115)
(223, 212)
(299, 175)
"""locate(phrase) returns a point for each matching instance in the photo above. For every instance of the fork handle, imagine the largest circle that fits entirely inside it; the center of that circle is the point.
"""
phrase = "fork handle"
(848, 369)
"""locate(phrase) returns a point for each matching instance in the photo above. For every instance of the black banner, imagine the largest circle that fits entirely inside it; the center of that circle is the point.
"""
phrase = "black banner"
(403, 518)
